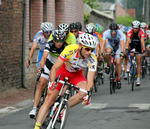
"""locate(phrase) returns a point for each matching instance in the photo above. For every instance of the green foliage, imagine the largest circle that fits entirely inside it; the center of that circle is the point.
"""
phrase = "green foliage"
(126, 21)
(86, 17)
(91, 3)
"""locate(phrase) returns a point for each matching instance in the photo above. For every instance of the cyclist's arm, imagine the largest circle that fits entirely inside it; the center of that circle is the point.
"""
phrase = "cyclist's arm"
(103, 45)
(142, 43)
(122, 45)
(128, 41)
(44, 57)
(54, 69)
(34, 45)
(90, 79)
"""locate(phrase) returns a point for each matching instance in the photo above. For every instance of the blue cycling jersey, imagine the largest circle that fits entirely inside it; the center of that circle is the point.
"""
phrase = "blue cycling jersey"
(113, 41)
(40, 40)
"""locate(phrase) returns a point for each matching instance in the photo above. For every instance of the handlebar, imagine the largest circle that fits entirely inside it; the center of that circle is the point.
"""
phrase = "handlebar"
(73, 86)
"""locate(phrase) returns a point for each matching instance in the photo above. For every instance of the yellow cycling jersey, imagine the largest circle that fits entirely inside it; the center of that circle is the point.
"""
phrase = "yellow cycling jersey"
(72, 62)
(70, 39)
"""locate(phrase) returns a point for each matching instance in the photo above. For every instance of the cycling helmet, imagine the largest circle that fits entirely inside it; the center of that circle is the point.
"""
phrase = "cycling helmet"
(92, 24)
(99, 29)
(79, 25)
(143, 25)
(126, 29)
(122, 27)
(88, 40)
(113, 26)
(47, 26)
(89, 29)
(59, 35)
(96, 25)
(136, 24)
(63, 27)
(73, 26)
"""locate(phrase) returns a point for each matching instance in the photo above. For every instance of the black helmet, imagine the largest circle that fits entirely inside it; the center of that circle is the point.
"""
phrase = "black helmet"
(59, 35)
(79, 25)
(113, 26)
(73, 26)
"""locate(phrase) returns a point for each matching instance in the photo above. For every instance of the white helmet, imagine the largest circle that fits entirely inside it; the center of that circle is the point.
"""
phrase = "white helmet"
(143, 25)
(47, 26)
(63, 27)
(89, 29)
(88, 40)
(136, 24)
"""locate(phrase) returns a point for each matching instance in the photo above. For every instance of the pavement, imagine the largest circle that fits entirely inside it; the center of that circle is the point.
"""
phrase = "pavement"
(15, 99)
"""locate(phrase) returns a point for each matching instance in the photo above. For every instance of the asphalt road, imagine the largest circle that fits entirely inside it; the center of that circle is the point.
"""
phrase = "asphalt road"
(123, 110)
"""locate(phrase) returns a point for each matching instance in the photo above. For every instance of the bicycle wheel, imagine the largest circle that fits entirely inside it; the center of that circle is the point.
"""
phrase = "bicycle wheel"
(55, 122)
(111, 78)
(143, 68)
(128, 77)
(133, 70)
(96, 84)
(111, 85)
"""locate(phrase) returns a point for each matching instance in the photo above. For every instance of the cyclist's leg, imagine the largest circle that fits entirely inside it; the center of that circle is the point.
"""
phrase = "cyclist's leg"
(138, 61)
(108, 50)
(41, 85)
(43, 112)
(80, 81)
(118, 62)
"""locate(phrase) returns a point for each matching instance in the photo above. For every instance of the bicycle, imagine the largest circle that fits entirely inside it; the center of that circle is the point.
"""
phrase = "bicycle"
(100, 76)
(144, 67)
(61, 104)
(133, 69)
(44, 92)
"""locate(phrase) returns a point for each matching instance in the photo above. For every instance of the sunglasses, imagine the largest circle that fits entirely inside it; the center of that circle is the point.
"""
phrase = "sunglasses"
(74, 31)
(88, 49)
(60, 41)
(48, 32)
(113, 31)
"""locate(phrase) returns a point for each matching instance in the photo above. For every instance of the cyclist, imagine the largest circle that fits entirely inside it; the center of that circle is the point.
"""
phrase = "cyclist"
(70, 64)
(79, 26)
(51, 53)
(40, 39)
(146, 39)
(70, 38)
(114, 39)
(90, 29)
(74, 29)
(136, 37)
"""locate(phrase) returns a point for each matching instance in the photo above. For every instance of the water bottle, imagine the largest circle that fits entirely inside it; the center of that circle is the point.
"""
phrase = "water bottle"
(54, 108)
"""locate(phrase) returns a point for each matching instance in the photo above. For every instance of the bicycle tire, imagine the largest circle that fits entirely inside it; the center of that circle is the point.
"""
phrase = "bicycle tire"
(111, 78)
(111, 86)
(133, 77)
(95, 85)
(128, 77)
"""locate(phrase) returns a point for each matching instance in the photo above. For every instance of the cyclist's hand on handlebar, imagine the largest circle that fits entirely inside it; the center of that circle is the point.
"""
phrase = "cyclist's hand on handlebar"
(51, 85)
(86, 100)
(28, 63)
(145, 53)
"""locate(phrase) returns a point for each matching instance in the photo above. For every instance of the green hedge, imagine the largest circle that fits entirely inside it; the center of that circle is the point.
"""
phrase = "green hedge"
(126, 21)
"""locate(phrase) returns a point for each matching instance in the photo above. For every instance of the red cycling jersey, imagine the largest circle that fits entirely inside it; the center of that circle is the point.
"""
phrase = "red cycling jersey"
(140, 33)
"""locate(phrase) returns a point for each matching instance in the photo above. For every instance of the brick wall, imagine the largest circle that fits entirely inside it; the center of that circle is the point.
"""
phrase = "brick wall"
(68, 11)
(11, 32)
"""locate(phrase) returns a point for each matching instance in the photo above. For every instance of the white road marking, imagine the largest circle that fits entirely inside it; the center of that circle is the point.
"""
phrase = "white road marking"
(144, 106)
(141, 106)
(96, 105)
